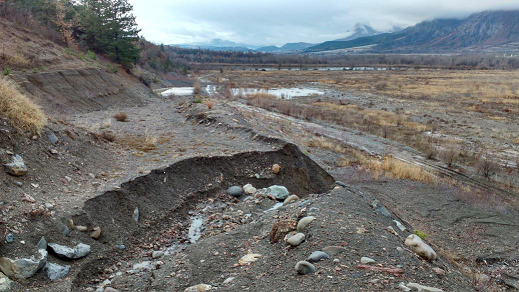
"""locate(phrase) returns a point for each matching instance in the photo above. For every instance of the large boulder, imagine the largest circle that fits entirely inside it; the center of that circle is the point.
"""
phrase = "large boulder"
(69, 253)
(16, 167)
(23, 268)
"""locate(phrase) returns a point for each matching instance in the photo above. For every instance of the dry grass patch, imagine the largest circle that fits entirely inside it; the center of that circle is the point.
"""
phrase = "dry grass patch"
(14, 59)
(399, 169)
(21, 112)
(144, 143)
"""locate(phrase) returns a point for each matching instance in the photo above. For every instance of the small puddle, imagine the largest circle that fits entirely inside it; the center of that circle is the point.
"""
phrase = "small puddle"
(195, 229)
(178, 91)
(280, 93)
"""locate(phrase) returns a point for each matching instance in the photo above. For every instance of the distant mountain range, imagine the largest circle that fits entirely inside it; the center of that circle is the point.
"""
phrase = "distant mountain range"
(485, 31)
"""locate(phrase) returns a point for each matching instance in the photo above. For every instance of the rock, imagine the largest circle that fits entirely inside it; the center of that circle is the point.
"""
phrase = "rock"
(81, 228)
(340, 183)
(23, 268)
(403, 287)
(7, 285)
(392, 230)
(42, 244)
(420, 248)
(51, 137)
(199, 288)
(65, 252)
(9, 237)
(333, 250)
(421, 288)
(136, 214)
(235, 191)
(276, 168)
(110, 289)
(28, 198)
(366, 260)
(70, 223)
(228, 280)
(301, 225)
(296, 239)
(56, 272)
(304, 268)
(336, 261)
(157, 254)
(249, 189)
(380, 209)
(16, 167)
(248, 259)
(439, 271)
(290, 199)
(400, 225)
(317, 256)
(280, 229)
(278, 192)
(66, 231)
(96, 233)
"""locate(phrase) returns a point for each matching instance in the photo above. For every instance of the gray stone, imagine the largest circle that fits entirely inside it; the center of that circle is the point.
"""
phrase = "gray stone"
(304, 268)
(51, 137)
(23, 268)
(79, 251)
(421, 288)
(296, 239)
(235, 191)
(157, 254)
(42, 244)
(380, 209)
(317, 256)
(110, 289)
(66, 231)
(136, 214)
(55, 272)
(16, 167)
(9, 237)
(278, 192)
(366, 260)
(333, 250)
(340, 183)
(7, 285)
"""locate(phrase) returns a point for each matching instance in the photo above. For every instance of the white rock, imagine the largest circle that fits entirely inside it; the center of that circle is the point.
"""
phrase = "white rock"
(400, 225)
(403, 287)
(296, 239)
(290, 199)
(366, 260)
(228, 280)
(199, 288)
(249, 189)
(421, 288)
(304, 222)
(420, 248)
(248, 259)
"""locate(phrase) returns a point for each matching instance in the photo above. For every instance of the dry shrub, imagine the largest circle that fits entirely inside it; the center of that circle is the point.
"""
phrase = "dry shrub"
(143, 143)
(121, 117)
(209, 104)
(450, 154)
(487, 167)
(14, 59)
(108, 136)
(399, 169)
(197, 87)
(21, 112)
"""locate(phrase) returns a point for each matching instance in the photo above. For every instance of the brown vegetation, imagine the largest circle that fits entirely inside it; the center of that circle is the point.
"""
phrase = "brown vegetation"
(22, 112)
(197, 87)
(121, 117)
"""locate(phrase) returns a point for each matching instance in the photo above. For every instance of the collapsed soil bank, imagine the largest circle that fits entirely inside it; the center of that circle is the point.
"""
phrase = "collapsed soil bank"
(165, 194)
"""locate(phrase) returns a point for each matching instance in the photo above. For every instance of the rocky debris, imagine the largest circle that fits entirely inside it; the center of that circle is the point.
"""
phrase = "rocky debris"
(333, 250)
(290, 199)
(55, 271)
(317, 256)
(51, 136)
(400, 225)
(228, 280)
(81, 228)
(65, 252)
(249, 189)
(281, 229)
(42, 244)
(23, 268)
(366, 260)
(391, 270)
(379, 208)
(420, 248)
(276, 168)
(295, 239)
(439, 271)
(235, 191)
(392, 230)
(28, 198)
(403, 287)
(96, 233)
(16, 167)
(421, 288)
(199, 288)
(110, 289)
(157, 254)
(9, 237)
(278, 192)
(136, 214)
(304, 268)
(248, 259)
(6, 285)
(301, 225)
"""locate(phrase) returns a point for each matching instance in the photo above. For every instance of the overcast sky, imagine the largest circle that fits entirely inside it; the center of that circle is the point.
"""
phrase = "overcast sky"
(276, 22)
